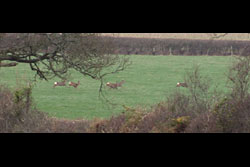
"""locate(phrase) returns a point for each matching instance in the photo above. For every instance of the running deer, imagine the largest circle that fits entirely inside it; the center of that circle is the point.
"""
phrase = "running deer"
(60, 83)
(75, 85)
(179, 84)
(120, 83)
(115, 85)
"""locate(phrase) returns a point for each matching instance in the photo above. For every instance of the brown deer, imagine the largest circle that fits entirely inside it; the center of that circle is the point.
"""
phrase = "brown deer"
(112, 85)
(59, 83)
(179, 84)
(75, 85)
(115, 85)
(120, 83)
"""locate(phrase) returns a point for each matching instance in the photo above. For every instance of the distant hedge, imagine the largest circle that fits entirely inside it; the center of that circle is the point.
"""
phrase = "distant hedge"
(144, 46)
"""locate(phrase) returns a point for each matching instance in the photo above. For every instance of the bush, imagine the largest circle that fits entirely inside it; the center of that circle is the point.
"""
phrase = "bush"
(203, 123)
(233, 116)
(16, 114)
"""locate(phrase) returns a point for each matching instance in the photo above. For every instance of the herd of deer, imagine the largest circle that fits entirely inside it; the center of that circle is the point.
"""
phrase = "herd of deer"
(109, 84)
(63, 83)
(75, 85)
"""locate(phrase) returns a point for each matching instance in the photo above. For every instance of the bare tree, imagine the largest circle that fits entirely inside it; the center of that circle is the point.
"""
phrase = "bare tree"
(54, 54)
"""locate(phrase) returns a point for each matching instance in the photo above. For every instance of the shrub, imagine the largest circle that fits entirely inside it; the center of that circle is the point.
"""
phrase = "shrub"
(233, 116)
(239, 78)
(56, 125)
(16, 112)
(203, 123)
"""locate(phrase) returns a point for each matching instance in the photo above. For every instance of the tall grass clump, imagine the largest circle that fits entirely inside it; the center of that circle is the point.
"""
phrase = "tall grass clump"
(17, 113)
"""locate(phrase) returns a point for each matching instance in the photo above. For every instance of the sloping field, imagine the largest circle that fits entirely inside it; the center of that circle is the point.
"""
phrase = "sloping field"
(230, 36)
(149, 80)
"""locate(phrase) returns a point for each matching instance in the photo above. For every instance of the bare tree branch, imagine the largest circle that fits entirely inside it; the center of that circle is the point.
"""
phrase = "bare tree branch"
(55, 54)
(87, 53)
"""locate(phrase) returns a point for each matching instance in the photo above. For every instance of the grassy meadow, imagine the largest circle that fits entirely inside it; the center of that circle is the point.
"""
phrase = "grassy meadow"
(149, 80)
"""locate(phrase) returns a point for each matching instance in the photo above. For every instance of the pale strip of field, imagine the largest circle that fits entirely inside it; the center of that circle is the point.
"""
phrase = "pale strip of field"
(230, 36)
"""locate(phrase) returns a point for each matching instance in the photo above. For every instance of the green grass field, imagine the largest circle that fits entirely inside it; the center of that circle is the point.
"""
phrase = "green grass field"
(149, 80)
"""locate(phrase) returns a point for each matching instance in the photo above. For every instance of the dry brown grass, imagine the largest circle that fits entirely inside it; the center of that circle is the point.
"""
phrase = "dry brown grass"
(230, 36)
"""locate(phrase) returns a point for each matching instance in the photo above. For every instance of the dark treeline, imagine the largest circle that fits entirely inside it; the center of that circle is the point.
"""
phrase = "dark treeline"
(145, 46)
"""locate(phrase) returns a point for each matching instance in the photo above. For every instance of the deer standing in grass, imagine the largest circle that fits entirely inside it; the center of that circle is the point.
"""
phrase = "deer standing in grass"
(179, 84)
(115, 85)
(75, 85)
(59, 84)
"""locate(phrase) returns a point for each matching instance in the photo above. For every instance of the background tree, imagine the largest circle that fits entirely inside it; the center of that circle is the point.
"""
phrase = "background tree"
(55, 54)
